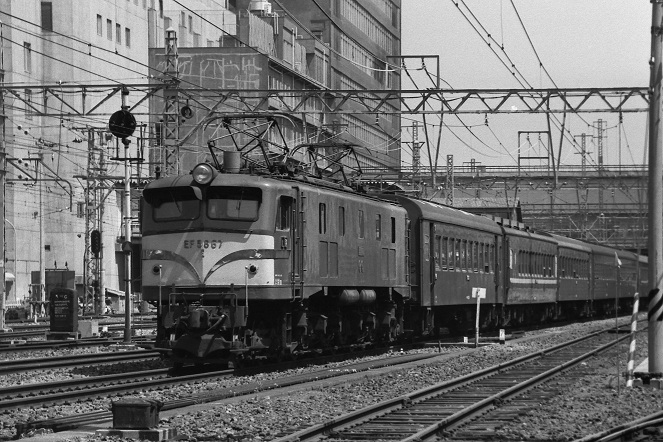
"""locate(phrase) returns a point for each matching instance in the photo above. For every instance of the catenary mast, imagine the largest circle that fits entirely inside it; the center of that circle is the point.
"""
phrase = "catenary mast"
(655, 194)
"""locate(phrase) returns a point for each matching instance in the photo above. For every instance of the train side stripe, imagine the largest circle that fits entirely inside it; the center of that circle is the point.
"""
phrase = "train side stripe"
(248, 254)
(167, 255)
(655, 305)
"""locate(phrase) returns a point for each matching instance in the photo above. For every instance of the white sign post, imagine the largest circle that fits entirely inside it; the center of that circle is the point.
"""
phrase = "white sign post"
(479, 293)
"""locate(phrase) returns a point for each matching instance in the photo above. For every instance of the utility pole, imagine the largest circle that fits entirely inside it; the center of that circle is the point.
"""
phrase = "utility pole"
(122, 124)
(599, 145)
(655, 198)
(450, 180)
(3, 180)
(94, 211)
(416, 152)
(171, 109)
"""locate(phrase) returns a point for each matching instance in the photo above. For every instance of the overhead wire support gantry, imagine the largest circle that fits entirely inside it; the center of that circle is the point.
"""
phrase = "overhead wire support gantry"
(404, 101)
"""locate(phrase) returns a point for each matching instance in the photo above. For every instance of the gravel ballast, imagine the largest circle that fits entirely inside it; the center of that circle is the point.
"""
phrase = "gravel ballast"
(590, 404)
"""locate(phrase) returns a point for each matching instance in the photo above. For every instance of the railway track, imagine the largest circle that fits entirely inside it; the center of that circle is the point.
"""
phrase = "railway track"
(60, 344)
(457, 409)
(21, 365)
(99, 386)
(646, 429)
(34, 331)
(72, 422)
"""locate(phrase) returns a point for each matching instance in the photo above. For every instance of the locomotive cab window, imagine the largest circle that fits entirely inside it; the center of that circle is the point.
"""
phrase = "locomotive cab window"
(233, 203)
(173, 205)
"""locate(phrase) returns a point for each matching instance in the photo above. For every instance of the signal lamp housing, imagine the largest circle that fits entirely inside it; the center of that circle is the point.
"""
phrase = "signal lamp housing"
(203, 173)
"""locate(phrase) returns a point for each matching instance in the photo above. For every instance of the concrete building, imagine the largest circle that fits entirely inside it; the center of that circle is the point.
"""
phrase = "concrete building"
(285, 47)
(64, 65)
(364, 38)
(60, 58)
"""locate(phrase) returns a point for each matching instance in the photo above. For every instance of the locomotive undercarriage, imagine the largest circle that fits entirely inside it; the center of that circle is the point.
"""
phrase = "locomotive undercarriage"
(222, 329)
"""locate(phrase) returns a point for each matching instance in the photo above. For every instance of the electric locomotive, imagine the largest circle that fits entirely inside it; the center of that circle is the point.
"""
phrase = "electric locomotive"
(246, 264)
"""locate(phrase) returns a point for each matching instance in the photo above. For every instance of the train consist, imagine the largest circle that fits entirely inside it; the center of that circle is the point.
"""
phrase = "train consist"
(243, 264)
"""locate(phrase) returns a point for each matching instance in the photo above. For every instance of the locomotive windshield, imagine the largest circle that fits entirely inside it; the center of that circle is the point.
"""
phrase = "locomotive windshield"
(233, 203)
(174, 204)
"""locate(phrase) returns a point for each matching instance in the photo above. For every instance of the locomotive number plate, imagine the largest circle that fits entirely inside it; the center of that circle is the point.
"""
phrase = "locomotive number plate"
(202, 243)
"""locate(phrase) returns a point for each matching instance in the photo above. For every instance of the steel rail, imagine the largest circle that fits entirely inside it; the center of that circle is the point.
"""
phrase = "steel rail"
(332, 427)
(19, 365)
(491, 401)
(43, 388)
(625, 431)
(106, 390)
(72, 422)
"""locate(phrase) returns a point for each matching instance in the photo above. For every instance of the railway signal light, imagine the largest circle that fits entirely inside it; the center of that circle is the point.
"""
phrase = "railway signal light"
(95, 242)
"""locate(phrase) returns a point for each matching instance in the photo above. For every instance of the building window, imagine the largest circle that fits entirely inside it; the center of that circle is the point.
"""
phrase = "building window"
(100, 26)
(127, 37)
(183, 19)
(47, 16)
(109, 29)
(27, 56)
(190, 24)
(118, 33)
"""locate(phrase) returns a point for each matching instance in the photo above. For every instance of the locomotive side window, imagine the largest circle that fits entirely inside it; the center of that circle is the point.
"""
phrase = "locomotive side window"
(361, 224)
(341, 221)
(284, 213)
(378, 226)
(233, 203)
(176, 204)
(443, 253)
(322, 218)
(393, 230)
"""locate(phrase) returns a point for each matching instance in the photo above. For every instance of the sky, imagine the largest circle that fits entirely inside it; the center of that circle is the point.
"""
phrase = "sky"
(581, 44)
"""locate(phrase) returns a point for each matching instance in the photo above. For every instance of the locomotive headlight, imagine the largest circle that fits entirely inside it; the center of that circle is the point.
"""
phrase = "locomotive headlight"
(203, 173)
(252, 268)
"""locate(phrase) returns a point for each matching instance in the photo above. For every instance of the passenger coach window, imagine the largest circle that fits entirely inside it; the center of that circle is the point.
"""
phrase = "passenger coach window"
(233, 203)
(174, 204)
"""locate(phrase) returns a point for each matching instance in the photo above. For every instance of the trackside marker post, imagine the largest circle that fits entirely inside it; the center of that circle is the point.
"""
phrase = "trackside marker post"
(631, 348)
(478, 292)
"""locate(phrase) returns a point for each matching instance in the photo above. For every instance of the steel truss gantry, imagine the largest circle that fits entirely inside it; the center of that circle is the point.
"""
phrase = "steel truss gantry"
(78, 100)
